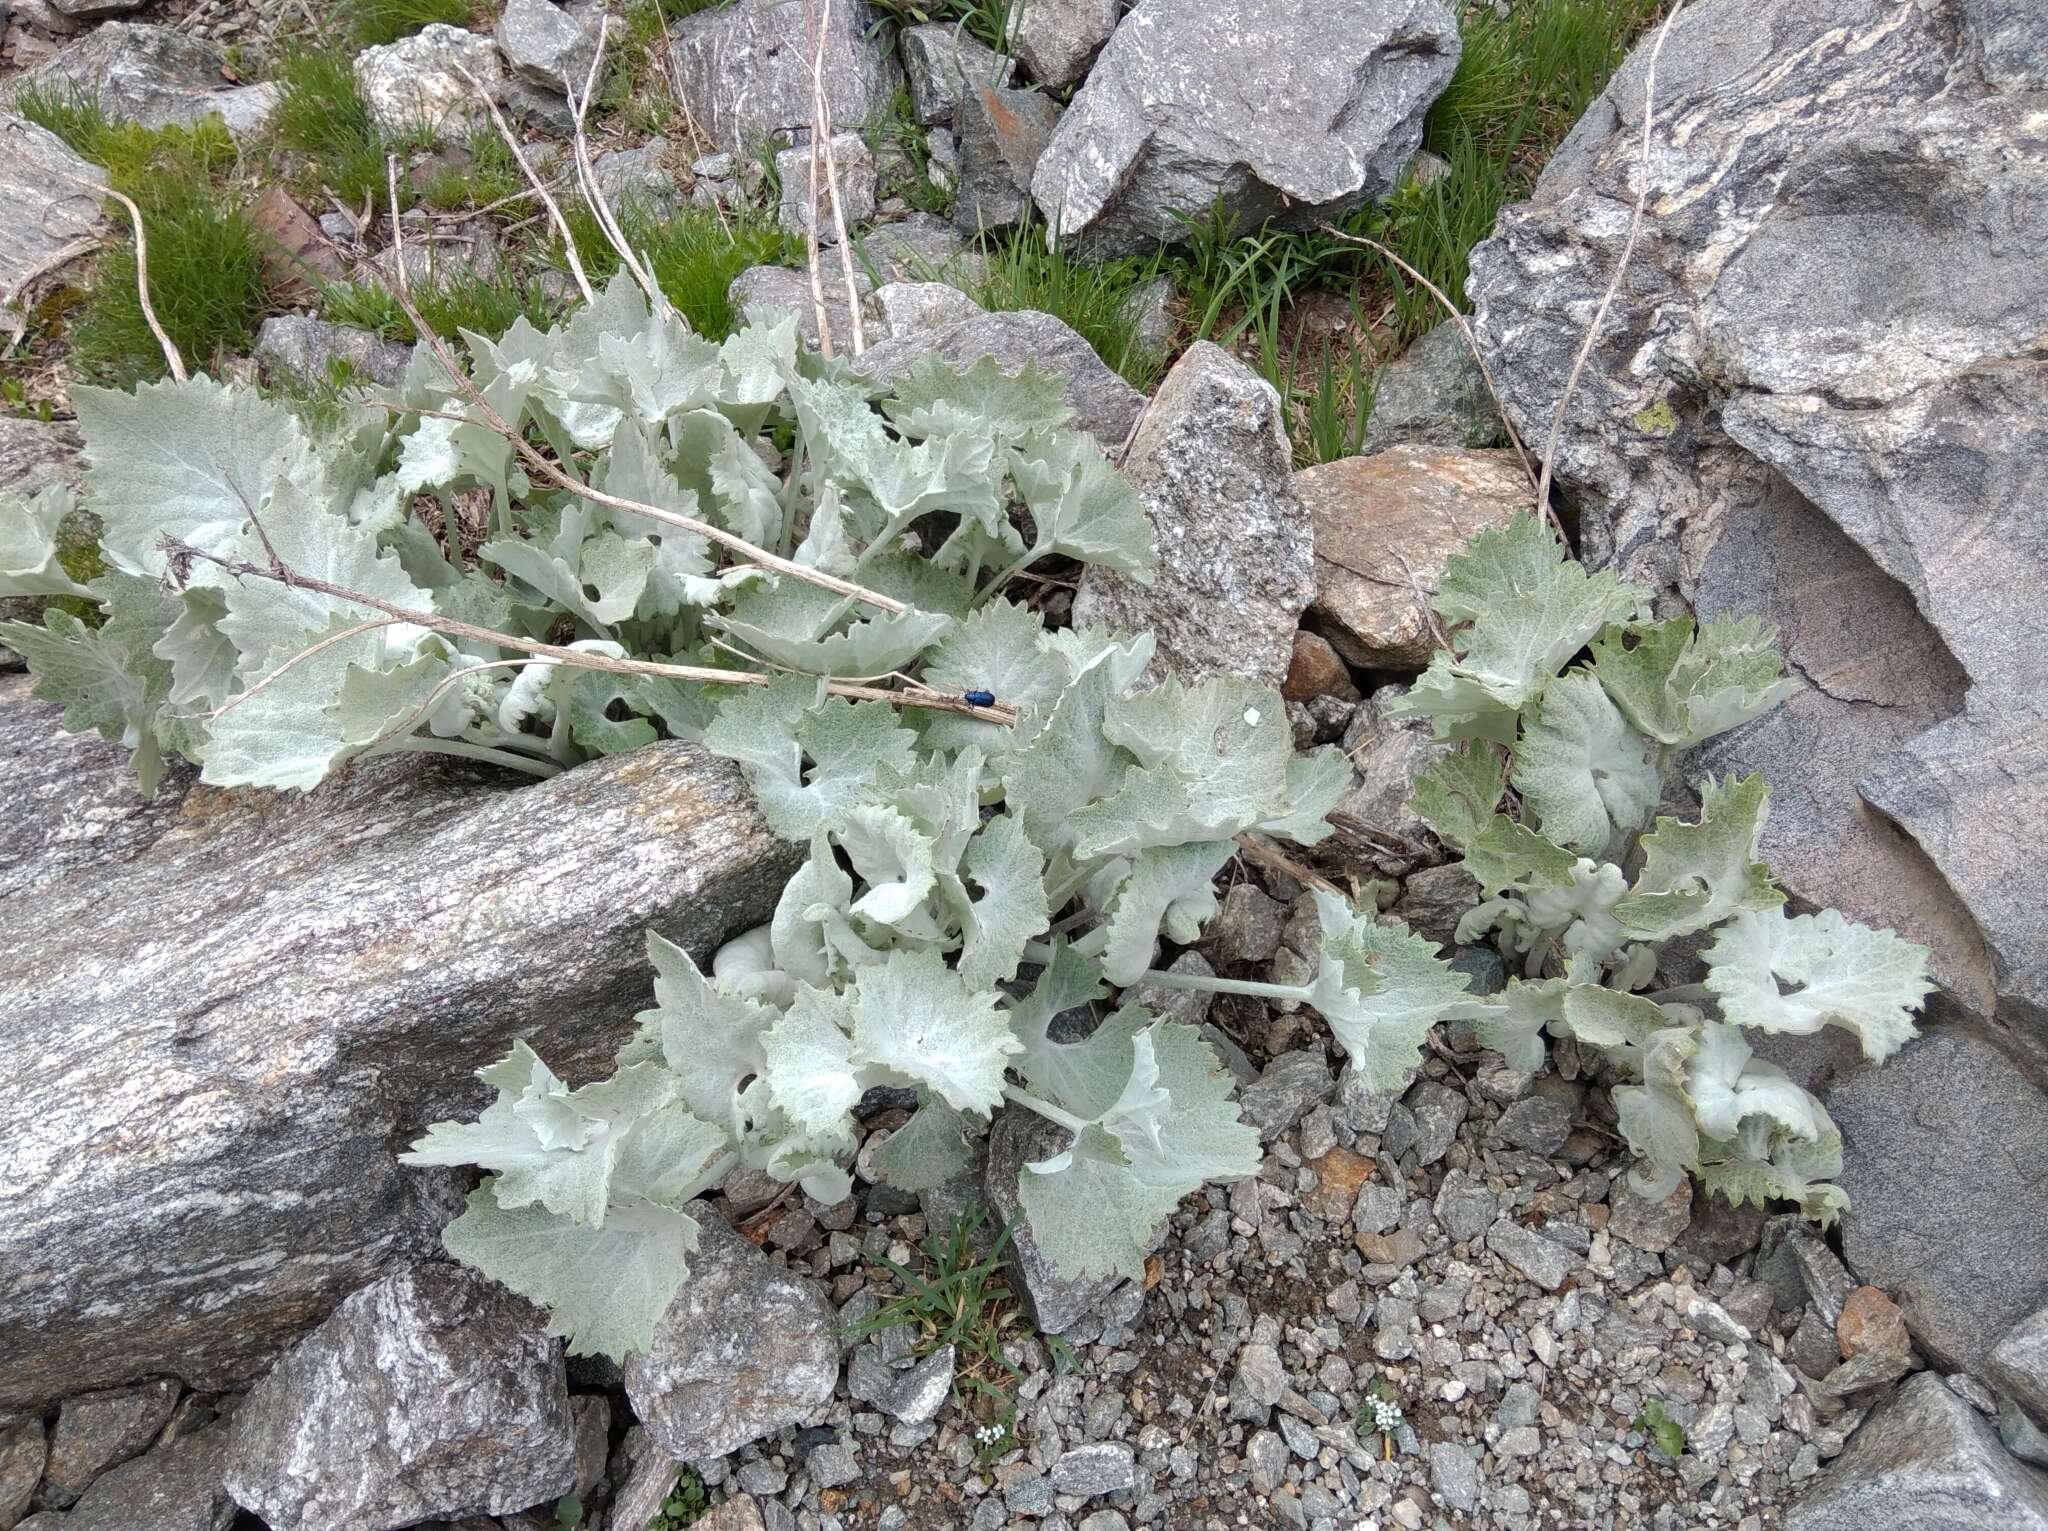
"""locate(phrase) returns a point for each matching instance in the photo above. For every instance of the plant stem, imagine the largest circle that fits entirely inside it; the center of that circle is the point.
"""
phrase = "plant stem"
(1685, 993)
(1249, 986)
(414, 744)
(1044, 1108)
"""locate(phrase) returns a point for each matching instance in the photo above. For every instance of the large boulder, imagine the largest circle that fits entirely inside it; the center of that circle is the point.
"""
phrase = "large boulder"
(433, 1392)
(227, 1011)
(1284, 109)
(1926, 1460)
(149, 73)
(1822, 399)
(422, 83)
(744, 70)
(1211, 463)
(1942, 1151)
(745, 1349)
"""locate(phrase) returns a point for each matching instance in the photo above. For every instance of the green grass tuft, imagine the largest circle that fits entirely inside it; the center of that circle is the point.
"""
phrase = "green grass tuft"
(459, 300)
(988, 20)
(323, 116)
(372, 23)
(1100, 302)
(206, 277)
(694, 253)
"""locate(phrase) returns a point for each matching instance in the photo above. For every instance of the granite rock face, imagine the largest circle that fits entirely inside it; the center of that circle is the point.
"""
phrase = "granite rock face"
(49, 217)
(549, 45)
(1002, 135)
(1823, 400)
(1211, 463)
(855, 164)
(431, 1393)
(1942, 1151)
(1927, 1460)
(1287, 109)
(300, 347)
(744, 70)
(2018, 1364)
(177, 1487)
(1385, 527)
(1056, 40)
(746, 1348)
(96, 1431)
(1433, 394)
(941, 61)
(230, 1010)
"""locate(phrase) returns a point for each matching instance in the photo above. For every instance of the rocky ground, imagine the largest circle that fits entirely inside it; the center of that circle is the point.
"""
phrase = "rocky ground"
(1782, 420)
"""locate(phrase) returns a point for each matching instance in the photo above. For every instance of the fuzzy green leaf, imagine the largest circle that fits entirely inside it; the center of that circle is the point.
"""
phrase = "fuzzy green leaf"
(773, 730)
(1012, 908)
(1696, 875)
(935, 400)
(28, 544)
(1799, 973)
(926, 1151)
(811, 1060)
(1682, 685)
(1168, 888)
(917, 1019)
(1456, 794)
(1581, 769)
(1381, 990)
(1081, 507)
(710, 1039)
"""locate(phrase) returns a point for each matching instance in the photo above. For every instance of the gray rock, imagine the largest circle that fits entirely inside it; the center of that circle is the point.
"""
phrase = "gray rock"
(744, 70)
(547, 44)
(1433, 394)
(832, 1464)
(907, 308)
(739, 1513)
(1285, 1091)
(1538, 1123)
(1002, 133)
(639, 177)
(415, 85)
(2018, 1433)
(2018, 1363)
(1924, 1459)
(647, 1480)
(177, 1487)
(1464, 1206)
(1778, 421)
(783, 290)
(1265, 1454)
(434, 1392)
(1385, 526)
(1438, 1110)
(1453, 1476)
(155, 75)
(96, 1431)
(299, 347)
(1182, 110)
(921, 1392)
(51, 217)
(337, 1012)
(1103, 403)
(1952, 1232)
(1102, 1467)
(1057, 1304)
(1530, 1253)
(746, 1348)
(1387, 753)
(1247, 927)
(1056, 40)
(941, 59)
(23, 1452)
(855, 163)
(1650, 1225)
(1211, 463)
(96, 10)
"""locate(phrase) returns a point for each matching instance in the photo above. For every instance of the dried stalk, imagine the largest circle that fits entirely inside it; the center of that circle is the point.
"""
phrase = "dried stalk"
(593, 194)
(1628, 248)
(813, 256)
(490, 419)
(821, 108)
(181, 555)
(540, 190)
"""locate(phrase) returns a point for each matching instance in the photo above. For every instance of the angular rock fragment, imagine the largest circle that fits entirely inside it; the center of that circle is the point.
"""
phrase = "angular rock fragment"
(744, 70)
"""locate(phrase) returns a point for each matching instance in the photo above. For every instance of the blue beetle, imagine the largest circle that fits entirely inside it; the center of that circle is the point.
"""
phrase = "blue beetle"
(978, 698)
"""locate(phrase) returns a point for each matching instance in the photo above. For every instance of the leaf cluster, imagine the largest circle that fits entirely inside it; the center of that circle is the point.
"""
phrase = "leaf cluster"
(1583, 895)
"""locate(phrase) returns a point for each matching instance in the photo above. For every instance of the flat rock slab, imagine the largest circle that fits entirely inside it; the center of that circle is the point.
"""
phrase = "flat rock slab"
(177, 1487)
(49, 217)
(96, 1431)
(432, 1393)
(1212, 466)
(151, 74)
(229, 1010)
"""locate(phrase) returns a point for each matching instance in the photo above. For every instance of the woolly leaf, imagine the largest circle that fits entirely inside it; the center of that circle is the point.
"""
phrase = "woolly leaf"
(1659, 1126)
(1696, 875)
(605, 1288)
(710, 1038)
(935, 400)
(773, 730)
(1728, 1084)
(891, 857)
(1316, 782)
(926, 1151)
(1168, 888)
(1381, 990)
(28, 544)
(917, 1019)
(1081, 507)
(1799, 973)
(1012, 908)
(1456, 795)
(1682, 685)
(1581, 769)
(810, 1059)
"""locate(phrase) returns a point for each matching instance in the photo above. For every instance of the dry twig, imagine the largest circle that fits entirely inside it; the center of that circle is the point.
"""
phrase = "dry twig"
(540, 190)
